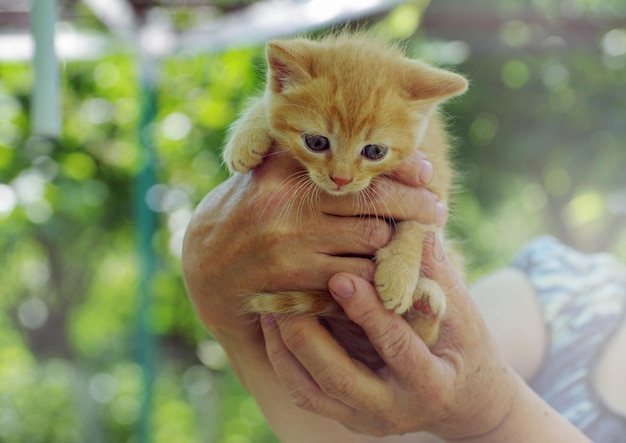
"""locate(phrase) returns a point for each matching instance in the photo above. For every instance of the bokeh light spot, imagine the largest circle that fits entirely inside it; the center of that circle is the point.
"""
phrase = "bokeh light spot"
(515, 74)
(33, 313)
(79, 166)
(176, 126)
(8, 200)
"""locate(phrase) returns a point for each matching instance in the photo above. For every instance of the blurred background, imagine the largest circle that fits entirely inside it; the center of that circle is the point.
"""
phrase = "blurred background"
(106, 148)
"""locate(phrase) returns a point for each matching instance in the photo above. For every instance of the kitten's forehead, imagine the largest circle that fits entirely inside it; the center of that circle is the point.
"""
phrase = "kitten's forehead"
(357, 75)
(362, 88)
(366, 60)
(363, 111)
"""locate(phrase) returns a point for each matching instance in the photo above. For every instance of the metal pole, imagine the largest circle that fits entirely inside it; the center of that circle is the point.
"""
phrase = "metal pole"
(45, 110)
(146, 223)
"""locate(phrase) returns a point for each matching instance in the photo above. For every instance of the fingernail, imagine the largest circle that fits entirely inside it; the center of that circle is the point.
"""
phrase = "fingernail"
(441, 214)
(438, 252)
(341, 287)
(426, 172)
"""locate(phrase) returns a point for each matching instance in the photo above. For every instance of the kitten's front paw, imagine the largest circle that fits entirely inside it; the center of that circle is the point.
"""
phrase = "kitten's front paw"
(396, 277)
(246, 151)
(395, 293)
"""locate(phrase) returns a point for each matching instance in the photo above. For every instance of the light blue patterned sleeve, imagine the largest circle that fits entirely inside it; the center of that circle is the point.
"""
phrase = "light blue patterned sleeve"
(583, 298)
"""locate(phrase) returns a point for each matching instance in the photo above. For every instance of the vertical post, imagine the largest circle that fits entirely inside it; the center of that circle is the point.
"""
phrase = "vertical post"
(45, 110)
(146, 228)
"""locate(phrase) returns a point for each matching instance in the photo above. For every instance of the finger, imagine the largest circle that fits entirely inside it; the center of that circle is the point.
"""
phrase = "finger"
(302, 388)
(397, 344)
(415, 171)
(338, 376)
(386, 198)
(363, 267)
(361, 236)
(312, 272)
(407, 203)
(301, 264)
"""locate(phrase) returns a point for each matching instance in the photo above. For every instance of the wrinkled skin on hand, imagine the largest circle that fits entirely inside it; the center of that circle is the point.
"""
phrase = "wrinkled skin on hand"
(251, 235)
(248, 236)
(442, 390)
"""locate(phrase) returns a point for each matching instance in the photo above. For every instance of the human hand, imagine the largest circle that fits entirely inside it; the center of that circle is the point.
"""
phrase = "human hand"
(460, 389)
(250, 234)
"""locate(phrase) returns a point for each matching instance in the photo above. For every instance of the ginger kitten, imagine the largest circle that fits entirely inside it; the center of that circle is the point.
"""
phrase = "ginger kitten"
(350, 109)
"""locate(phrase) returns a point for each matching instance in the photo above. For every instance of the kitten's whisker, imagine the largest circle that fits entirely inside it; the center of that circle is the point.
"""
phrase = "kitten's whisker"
(303, 194)
(272, 196)
(301, 181)
(369, 205)
(364, 207)
(299, 195)
(399, 203)
(286, 200)
(314, 201)
(379, 202)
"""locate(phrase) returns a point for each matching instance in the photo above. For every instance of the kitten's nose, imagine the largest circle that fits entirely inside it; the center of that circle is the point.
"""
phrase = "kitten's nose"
(340, 181)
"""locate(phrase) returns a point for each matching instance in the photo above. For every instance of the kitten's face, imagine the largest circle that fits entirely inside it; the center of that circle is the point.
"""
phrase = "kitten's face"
(345, 143)
(351, 109)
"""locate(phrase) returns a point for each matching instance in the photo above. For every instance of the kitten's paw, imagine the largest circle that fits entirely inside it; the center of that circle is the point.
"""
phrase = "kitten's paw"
(396, 277)
(246, 151)
(395, 293)
(429, 298)
(429, 308)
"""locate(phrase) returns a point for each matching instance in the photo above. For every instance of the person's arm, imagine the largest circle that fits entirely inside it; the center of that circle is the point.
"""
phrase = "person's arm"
(248, 235)
(462, 389)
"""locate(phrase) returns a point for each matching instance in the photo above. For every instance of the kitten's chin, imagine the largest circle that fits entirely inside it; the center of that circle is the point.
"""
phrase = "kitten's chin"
(337, 192)
(353, 188)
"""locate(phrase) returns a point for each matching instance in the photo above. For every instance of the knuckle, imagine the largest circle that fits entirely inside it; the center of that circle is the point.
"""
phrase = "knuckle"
(294, 334)
(364, 313)
(397, 424)
(425, 210)
(304, 398)
(336, 382)
(386, 421)
(393, 420)
(274, 351)
(394, 341)
(364, 268)
(378, 235)
(271, 247)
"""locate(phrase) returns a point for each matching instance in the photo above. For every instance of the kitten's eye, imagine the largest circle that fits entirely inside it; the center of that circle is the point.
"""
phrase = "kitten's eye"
(374, 152)
(316, 142)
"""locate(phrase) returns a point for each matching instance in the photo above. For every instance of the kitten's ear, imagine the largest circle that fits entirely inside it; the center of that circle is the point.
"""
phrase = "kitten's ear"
(424, 82)
(289, 63)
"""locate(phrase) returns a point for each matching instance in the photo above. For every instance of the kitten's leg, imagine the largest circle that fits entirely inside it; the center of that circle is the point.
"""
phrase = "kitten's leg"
(401, 287)
(398, 266)
(249, 139)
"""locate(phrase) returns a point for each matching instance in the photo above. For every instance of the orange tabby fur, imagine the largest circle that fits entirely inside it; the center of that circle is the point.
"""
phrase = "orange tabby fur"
(339, 95)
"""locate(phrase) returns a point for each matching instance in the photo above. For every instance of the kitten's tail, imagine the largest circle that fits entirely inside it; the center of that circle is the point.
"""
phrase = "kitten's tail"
(317, 303)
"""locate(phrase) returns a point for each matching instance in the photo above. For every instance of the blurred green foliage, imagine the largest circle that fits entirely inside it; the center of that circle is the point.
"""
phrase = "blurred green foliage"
(540, 138)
